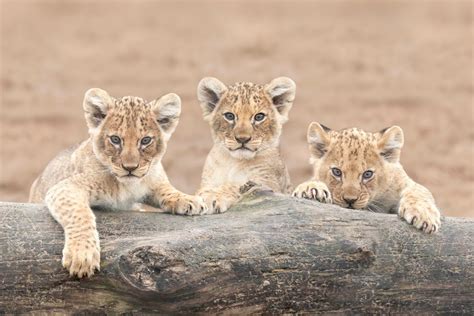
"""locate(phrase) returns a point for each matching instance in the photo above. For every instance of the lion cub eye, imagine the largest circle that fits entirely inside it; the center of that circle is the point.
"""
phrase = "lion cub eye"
(259, 117)
(336, 172)
(367, 174)
(114, 139)
(229, 116)
(146, 140)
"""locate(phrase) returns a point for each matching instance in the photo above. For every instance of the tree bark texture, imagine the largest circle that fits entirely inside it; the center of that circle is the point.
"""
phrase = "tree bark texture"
(269, 254)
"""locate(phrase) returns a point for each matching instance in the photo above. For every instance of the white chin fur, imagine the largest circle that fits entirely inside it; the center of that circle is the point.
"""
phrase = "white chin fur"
(129, 180)
(242, 154)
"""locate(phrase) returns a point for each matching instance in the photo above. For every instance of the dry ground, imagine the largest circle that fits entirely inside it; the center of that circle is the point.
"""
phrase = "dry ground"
(367, 64)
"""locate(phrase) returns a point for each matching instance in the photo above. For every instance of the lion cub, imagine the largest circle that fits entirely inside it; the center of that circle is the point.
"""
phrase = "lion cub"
(363, 171)
(116, 168)
(246, 121)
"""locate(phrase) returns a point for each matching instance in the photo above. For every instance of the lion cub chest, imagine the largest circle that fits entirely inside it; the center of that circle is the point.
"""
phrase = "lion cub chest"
(125, 196)
(225, 174)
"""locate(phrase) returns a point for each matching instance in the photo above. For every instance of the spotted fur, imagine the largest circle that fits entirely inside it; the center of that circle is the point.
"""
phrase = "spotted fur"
(246, 148)
(104, 174)
(357, 155)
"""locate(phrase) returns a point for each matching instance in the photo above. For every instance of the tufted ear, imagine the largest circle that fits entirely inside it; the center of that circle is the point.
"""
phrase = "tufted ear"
(167, 110)
(210, 91)
(282, 93)
(318, 139)
(96, 104)
(391, 143)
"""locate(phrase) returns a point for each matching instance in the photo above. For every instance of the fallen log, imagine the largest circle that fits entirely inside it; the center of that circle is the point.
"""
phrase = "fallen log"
(269, 254)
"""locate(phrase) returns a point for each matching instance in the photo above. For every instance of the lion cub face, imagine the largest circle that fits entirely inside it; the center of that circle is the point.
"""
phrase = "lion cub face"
(246, 118)
(130, 134)
(353, 163)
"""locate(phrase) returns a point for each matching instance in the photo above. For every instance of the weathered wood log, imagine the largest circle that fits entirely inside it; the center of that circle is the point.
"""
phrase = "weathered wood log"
(269, 254)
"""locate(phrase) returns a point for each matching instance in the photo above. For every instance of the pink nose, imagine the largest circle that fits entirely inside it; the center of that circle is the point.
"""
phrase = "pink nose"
(130, 167)
(243, 139)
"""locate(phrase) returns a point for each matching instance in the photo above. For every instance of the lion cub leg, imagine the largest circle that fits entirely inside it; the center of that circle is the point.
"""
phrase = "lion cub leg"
(418, 208)
(169, 199)
(69, 205)
(313, 190)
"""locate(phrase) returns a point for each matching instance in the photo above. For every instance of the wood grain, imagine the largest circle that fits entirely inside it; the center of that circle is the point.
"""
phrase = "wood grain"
(269, 254)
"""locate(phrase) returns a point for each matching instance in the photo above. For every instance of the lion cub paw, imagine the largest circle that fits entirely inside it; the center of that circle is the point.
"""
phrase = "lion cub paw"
(81, 257)
(251, 187)
(217, 203)
(424, 215)
(313, 190)
(187, 205)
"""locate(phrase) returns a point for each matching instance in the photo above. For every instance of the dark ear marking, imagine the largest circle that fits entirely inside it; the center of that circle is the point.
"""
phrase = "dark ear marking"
(167, 110)
(318, 140)
(212, 97)
(281, 92)
(163, 120)
(384, 130)
(96, 104)
(389, 154)
(390, 143)
(325, 128)
(167, 122)
(321, 149)
(279, 99)
(98, 114)
(209, 92)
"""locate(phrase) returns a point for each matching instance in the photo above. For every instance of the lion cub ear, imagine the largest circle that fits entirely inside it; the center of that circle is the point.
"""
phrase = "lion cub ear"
(97, 103)
(167, 110)
(210, 91)
(391, 143)
(282, 94)
(318, 140)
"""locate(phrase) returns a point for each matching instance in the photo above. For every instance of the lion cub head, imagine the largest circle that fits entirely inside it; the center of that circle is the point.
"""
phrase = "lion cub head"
(246, 118)
(355, 165)
(129, 134)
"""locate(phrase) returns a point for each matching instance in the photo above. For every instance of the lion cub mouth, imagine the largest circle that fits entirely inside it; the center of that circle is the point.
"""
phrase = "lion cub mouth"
(242, 152)
(130, 177)
(243, 148)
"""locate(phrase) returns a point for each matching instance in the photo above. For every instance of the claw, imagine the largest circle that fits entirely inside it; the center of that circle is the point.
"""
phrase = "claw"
(402, 212)
(314, 193)
(424, 226)
(413, 220)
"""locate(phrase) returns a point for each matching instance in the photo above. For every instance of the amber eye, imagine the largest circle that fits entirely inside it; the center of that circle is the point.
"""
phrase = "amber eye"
(336, 172)
(367, 174)
(229, 116)
(145, 140)
(259, 117)
(114, 139)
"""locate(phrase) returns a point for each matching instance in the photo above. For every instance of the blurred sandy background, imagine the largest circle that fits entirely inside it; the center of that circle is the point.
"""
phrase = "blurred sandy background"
(369, 64)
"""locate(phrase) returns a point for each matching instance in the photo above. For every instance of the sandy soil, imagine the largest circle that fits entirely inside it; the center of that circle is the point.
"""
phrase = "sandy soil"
(367, 64)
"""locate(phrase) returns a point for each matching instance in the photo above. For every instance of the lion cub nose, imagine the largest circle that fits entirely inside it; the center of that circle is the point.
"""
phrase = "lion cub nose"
(130, 167)
(350, 200)
(243, 139)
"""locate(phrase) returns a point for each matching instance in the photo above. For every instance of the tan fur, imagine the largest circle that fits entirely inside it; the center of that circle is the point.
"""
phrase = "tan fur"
(99, 173)
(389, 189)
(245, 149)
